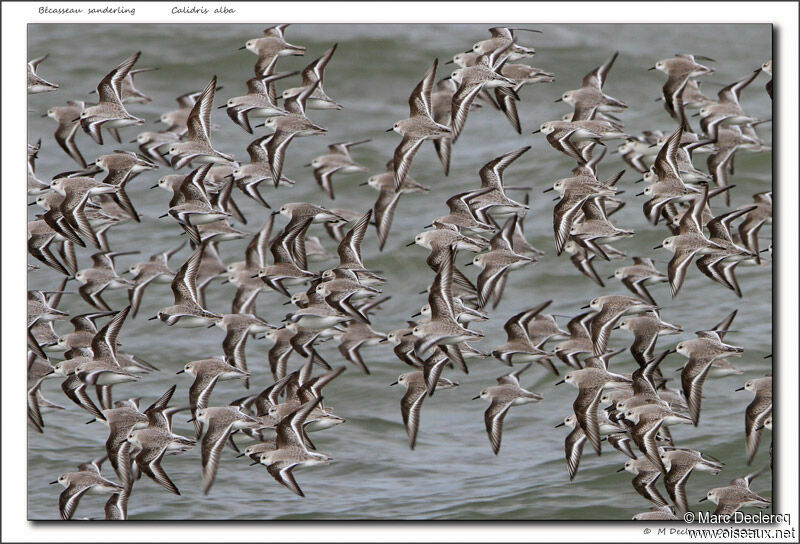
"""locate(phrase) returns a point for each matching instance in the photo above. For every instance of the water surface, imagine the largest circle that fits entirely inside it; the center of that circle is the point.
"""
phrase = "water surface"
(452, 474)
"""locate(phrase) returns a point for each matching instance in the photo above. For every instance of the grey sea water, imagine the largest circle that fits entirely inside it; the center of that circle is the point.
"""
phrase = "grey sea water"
(452, 474)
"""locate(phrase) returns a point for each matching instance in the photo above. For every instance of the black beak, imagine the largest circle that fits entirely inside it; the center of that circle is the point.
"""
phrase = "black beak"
(51, 483)
(132, 142)
(476, 398)
(651, 68)
(640, 194)
(559, 383)
(416, 314)
(181, 371)
(190, 420)
(740, 389)
(548, 190)
(154, 186)
(703, 499)
(152, 318)
(536, 131)
(584, 307)
(75, 120)
(242, 47)
(696, 114)
(45, 115)
(31, 203)
(451, 61)
(611, 277)
(389, 129)
(620, 470)
(558, 100)
(222, 107)
(393, 383)
(240, 455)
(411, 244)
(559, 425)
(659, 246)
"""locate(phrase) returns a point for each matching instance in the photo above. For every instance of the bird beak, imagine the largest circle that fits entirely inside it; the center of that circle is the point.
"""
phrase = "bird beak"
(45, 115)
(651, 68)
(416, 314)
(242, 47)
(696, 114)
(190, 420)
(31, 203)
(611, 276)
(286, 303)
(559, 383)
(536, 131)
(584, 307)
(181, 371)
(703, 499)
(222, 107)
(410, 244)
(393, 383)
(558, 100)
(51, 483)
(152, 318)
(476, 397)
(389, 129)
(559, 425)
(659, 246)
(362, 184)
(548, 190)
(620, 470)
(639, 180)
(451, 61)
(740, 389)
(240, 455)
(469, 263)
(640, 194)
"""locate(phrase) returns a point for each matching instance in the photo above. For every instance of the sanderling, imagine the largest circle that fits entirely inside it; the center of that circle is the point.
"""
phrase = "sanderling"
(420, 125)
(502, 397)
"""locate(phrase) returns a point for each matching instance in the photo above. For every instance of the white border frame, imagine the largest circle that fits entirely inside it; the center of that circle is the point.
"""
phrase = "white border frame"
(14, 484)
